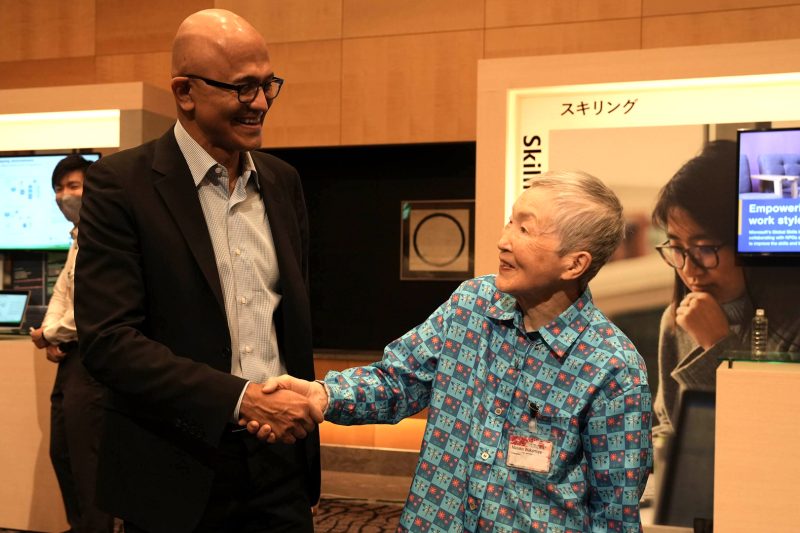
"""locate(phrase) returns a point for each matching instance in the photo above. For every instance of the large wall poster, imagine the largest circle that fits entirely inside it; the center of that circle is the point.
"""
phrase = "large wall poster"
(535, 113)
(634, 136)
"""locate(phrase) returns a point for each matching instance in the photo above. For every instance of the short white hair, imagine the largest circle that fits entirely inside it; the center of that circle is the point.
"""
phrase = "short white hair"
(588, 215)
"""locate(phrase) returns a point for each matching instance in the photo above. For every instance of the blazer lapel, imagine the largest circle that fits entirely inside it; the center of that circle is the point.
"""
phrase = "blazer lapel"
(292, 319)
(175, 185)
(275, 206)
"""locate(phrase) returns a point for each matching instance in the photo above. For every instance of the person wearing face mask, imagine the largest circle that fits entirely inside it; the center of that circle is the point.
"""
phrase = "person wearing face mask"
(714, 299)
(76, 400)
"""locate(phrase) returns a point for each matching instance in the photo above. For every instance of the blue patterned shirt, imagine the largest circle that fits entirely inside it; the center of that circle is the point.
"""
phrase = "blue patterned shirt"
(475, 366)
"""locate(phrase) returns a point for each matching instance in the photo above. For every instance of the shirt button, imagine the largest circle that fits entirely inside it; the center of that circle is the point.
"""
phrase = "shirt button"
(498, 411)
(243, 300)
(237, 252)
(485, 456)
(218, 170)
(248, 349)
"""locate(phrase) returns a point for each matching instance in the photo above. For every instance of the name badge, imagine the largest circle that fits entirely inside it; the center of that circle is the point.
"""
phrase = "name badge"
(527, 452)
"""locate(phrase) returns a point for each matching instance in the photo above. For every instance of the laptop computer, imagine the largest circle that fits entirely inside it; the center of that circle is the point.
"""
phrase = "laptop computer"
(13, 304)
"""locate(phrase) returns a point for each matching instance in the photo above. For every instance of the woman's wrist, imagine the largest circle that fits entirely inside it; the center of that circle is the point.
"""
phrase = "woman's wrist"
(323, 395)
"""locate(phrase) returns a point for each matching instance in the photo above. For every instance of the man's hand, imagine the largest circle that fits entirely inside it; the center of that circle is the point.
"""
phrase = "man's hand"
(37, 336)
(702, 318)
(283, 415)
(54, 353)
(314, 392)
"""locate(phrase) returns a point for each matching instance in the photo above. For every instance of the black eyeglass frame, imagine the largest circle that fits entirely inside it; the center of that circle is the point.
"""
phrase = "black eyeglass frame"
(687, 252)
(241, 87)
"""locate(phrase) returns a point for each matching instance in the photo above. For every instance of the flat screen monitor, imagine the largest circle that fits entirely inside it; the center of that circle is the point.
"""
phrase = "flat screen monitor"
(768, 225)
(29, 216)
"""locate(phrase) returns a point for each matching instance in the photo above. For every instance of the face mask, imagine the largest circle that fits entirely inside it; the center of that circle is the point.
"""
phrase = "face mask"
(71, 207)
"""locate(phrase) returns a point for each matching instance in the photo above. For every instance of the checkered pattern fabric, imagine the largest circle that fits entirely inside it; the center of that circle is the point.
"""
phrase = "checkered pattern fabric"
(477, 369)
(240, 233)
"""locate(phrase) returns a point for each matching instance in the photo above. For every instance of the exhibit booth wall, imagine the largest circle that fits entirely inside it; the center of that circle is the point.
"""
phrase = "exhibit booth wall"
(633, 118)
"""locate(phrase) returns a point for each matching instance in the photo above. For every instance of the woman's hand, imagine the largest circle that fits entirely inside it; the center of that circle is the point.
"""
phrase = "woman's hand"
(701, 316)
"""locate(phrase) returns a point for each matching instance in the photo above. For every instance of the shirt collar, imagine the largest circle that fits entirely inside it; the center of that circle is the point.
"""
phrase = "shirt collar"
(200, 162)
(562, 332)
(504, 308)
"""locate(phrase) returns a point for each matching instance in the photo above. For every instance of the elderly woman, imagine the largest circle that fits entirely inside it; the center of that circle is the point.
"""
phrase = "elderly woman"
(539, 408)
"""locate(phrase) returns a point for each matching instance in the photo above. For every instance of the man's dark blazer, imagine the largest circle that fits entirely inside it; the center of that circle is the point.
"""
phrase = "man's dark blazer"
(152, 326)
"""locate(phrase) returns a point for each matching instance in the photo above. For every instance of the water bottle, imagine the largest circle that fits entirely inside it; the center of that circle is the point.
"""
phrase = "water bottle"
(758, 342)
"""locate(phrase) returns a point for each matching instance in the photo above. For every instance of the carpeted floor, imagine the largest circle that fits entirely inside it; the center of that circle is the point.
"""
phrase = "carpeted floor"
(357, 516)
(347, 516)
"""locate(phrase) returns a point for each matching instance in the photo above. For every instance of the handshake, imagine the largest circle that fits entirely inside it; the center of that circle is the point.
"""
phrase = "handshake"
(283, 409)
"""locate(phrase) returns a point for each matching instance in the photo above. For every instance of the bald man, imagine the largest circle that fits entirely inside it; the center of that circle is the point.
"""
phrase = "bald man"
(191, 293)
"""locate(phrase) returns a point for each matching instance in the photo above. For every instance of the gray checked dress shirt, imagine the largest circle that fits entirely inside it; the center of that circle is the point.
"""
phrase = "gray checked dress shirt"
(245, 255)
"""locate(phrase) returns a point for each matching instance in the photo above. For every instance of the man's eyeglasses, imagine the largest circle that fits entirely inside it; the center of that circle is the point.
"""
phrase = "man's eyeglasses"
(704, 256)
(246, 92)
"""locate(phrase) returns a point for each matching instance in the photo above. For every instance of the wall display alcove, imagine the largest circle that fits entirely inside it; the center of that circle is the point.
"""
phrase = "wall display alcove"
(631, 118)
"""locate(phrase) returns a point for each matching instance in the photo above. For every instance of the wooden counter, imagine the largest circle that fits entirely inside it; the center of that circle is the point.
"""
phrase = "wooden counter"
(755, 466)
(30, 499)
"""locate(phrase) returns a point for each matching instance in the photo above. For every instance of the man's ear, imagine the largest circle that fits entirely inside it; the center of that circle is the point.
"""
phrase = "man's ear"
(577, 263)
(181, 89)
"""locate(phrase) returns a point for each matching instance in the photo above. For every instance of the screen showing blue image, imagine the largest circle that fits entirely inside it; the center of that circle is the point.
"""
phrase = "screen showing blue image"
(29, 216)
(769, 203)
(12, 307)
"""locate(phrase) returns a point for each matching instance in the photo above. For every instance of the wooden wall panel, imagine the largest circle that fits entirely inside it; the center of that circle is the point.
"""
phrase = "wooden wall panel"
(721, 27)
(674, 7)
(140, 26)
(298, 20)
(46, 29)
(308, 110)
(152, 68)
(406, 435)
(368, 18)
(563, 38)
(366, 71)
(406, 89)
(510, 13)
(47, 72)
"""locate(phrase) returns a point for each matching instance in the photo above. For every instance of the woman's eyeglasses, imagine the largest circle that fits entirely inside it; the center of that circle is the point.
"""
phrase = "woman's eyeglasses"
(704, 256)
